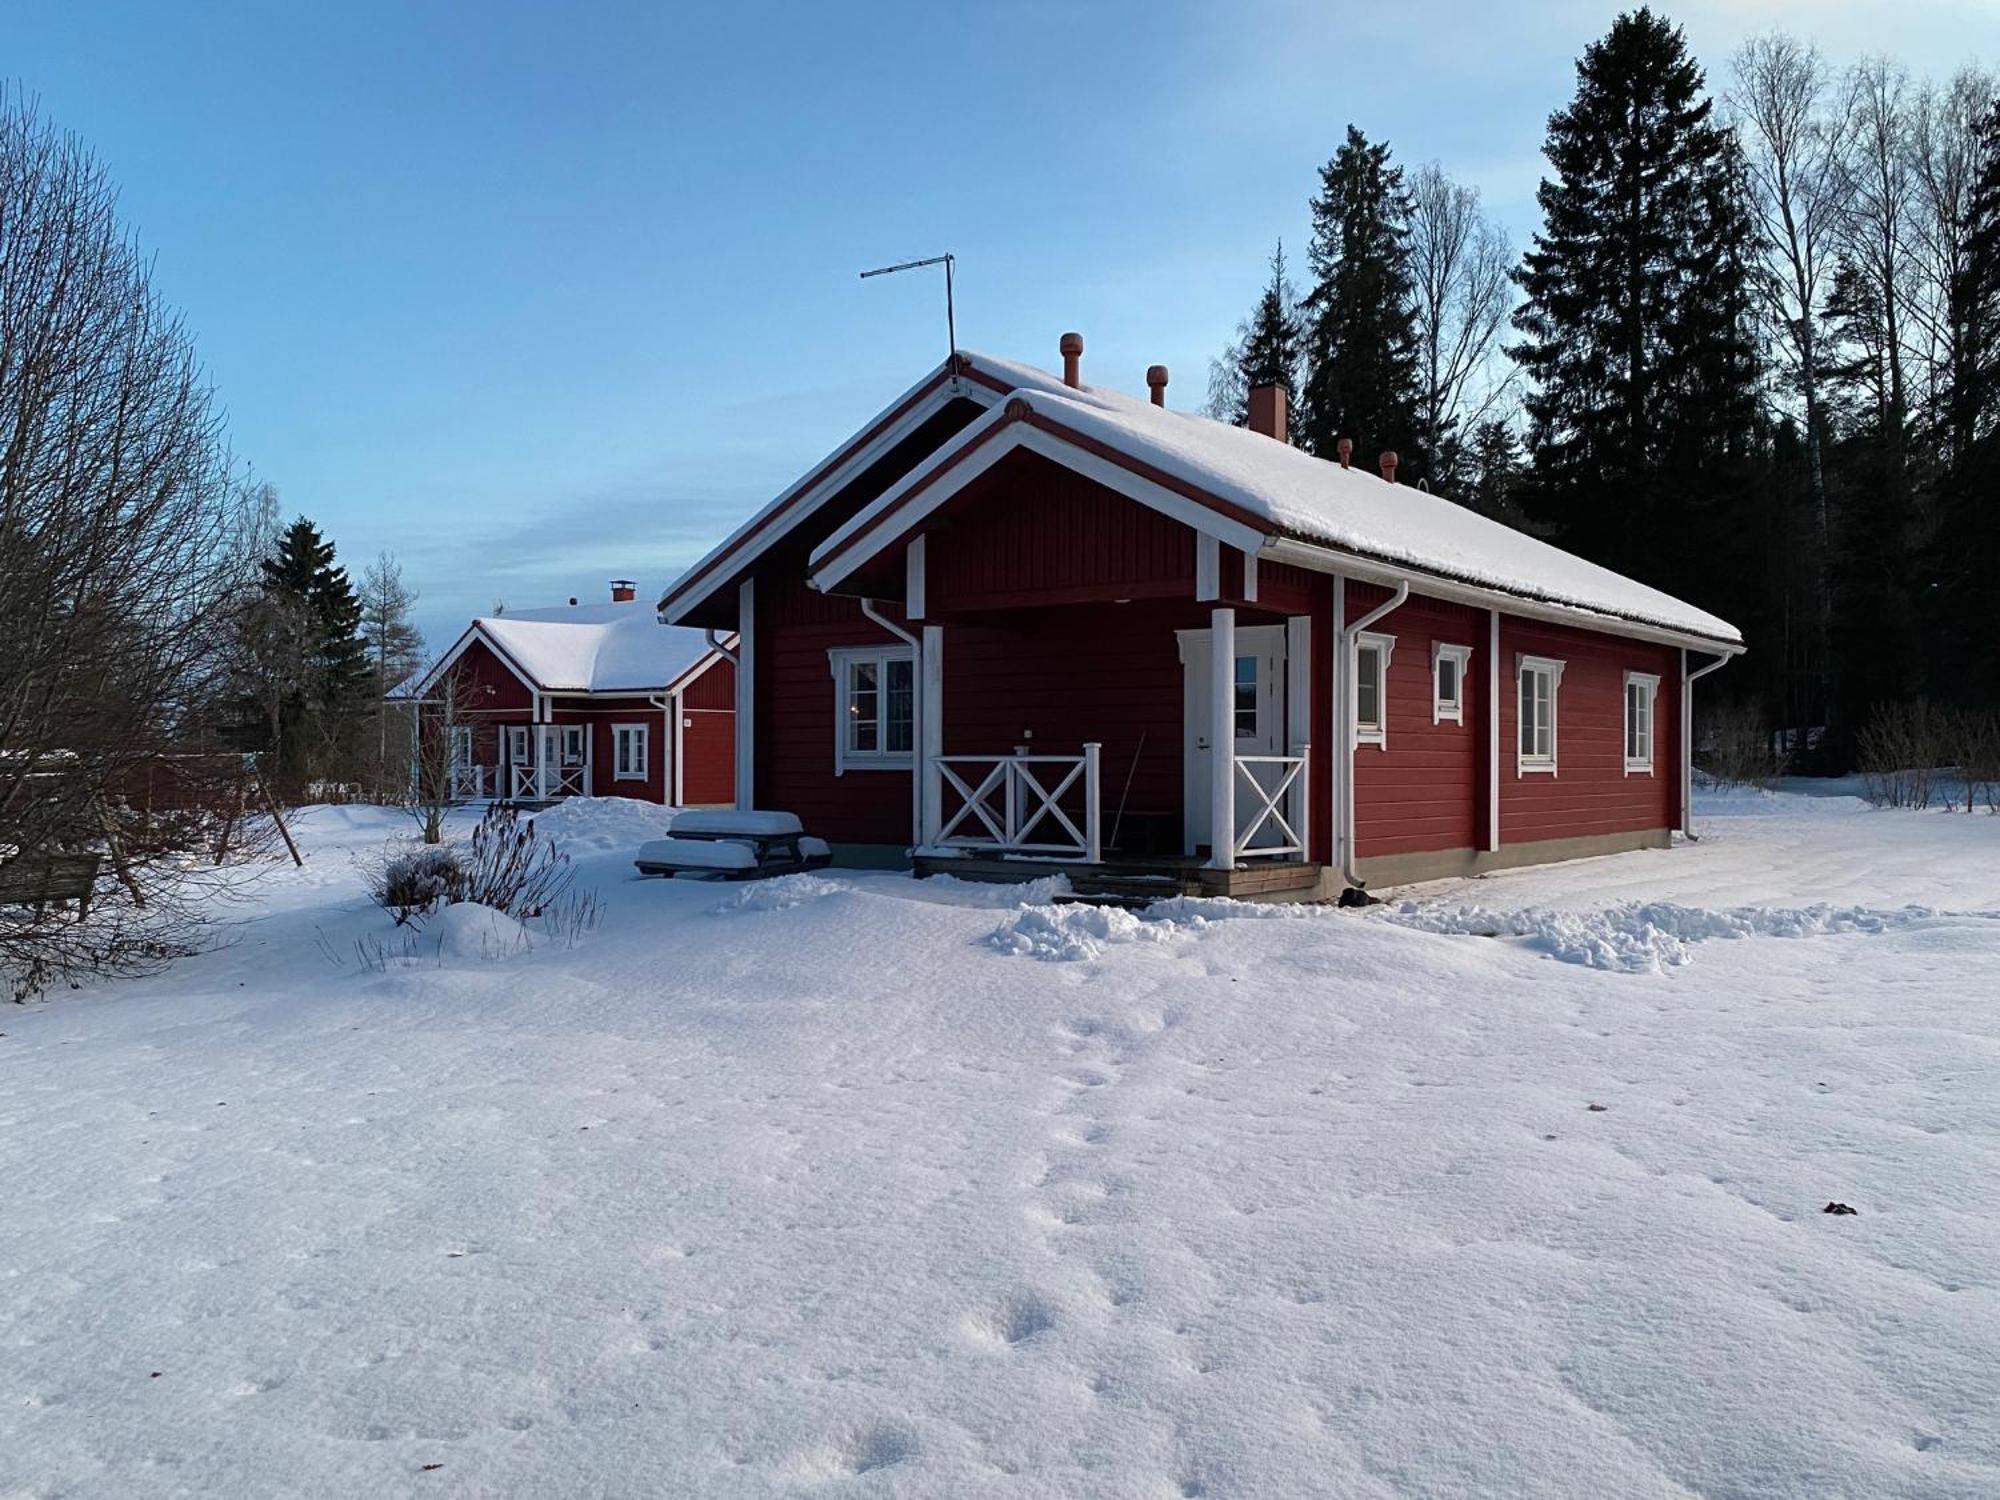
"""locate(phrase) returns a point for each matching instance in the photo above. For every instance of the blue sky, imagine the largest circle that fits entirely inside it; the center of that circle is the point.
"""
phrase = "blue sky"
(535, 295)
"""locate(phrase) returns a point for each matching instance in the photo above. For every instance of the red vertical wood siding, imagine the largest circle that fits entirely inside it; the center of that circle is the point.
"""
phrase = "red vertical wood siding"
(794, 696)
(1032, 532)
(1589, 794)
(708, 740)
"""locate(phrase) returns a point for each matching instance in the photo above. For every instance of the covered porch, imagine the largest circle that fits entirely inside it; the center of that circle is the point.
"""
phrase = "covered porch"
(520, 761)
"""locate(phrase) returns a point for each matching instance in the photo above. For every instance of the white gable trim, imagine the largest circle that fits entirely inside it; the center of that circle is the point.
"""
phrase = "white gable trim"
(473, 632)
(771, 524)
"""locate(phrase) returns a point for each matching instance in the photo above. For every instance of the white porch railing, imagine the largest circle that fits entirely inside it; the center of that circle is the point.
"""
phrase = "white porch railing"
(564, 781)
(1046, 806)
(1277, 809)
(468, 782)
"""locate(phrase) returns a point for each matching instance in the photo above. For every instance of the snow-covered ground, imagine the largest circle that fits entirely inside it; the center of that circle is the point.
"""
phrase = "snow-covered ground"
(847, 1185)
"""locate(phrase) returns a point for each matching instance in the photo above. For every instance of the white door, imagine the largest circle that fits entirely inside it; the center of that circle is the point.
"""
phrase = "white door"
(1258, 700)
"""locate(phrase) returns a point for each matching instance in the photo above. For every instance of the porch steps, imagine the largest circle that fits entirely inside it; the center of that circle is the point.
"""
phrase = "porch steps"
(1137, 882)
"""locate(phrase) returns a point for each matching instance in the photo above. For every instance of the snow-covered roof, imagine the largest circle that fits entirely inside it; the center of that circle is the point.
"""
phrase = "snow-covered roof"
(1291, 493)
(591, 648)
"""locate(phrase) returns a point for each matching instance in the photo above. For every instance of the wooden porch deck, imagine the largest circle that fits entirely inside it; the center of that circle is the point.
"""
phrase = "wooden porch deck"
(1135, 881)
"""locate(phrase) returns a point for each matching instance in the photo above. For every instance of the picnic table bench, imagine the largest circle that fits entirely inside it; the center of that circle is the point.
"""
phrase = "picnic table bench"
(37, 879)
(728, 845)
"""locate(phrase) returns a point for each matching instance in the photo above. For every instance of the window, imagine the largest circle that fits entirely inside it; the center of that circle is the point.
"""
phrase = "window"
(875, 707)
(1448, 682)
(1641, 689)
(1371, 688)
(461, 745)
(1539, 678)
(517, 744)
(628, 752)
(1245, 702)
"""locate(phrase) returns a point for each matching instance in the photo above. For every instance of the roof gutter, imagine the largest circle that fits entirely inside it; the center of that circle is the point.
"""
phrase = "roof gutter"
(1344, 834)
(1321, 559)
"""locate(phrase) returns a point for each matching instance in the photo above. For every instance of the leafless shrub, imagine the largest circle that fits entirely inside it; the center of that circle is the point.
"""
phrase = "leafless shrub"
(505, 865)
(568, 918)
(1737, 747)
(511, 868)
(1900, 752)
(416, 882)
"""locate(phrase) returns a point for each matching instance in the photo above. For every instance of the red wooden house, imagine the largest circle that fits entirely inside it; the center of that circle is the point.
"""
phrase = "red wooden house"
(585, 700)
(1016, 619)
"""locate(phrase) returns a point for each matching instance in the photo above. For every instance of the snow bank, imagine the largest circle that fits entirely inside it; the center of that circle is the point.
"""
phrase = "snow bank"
(1653, 936)
(467, 930)
(584, 825)
(1073, 932)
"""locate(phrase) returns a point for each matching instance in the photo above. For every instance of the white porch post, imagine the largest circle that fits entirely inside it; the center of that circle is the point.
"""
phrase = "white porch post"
(1493, 731)
(545, 737)
(676, 789)
(1093, 799)
(1298, 723)
(746, 694)
(1222, 740)
(931, 743)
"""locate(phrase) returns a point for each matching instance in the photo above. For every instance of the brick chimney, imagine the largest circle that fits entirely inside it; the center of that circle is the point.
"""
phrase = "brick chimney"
(1267, 410)
(623, 591)
(1388, 462)
(1071, 345)
(1345, 447)
(1156, 382)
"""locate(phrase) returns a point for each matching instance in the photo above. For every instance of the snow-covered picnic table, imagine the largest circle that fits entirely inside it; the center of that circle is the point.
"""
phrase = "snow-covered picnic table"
(733, 845)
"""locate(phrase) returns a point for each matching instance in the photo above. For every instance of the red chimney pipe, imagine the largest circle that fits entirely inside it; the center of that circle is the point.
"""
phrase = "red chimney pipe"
(1156, 382)
(623, 591)
(1388, 463)
(1267, 410)
(1345, 447)
(1071, 345)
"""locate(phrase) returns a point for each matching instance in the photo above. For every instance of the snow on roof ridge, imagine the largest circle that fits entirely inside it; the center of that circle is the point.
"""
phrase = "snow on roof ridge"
(1315, 499)
(596, 648)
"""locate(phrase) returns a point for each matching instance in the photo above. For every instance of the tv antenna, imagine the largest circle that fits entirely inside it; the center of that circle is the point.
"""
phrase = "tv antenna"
(950, 313)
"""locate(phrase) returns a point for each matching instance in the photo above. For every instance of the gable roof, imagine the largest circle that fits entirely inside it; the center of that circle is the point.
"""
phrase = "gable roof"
(981, 379)
(586, 648)
(1249, 490)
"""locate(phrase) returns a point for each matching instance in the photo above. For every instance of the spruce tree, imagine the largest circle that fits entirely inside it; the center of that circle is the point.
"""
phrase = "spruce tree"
(1642, 415)
(1361, 342)
(1269, 350)
(318, 704)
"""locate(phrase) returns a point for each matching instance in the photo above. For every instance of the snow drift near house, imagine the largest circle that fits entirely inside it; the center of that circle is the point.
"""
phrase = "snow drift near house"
(808, 1189)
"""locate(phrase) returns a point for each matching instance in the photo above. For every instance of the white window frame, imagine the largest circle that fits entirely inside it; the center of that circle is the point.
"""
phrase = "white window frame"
(463, 747)
(1538, 764)
(643, 759)
(1452, 711)
(842, 660)
(520, 745)
(1384, 647)
(1649, 682)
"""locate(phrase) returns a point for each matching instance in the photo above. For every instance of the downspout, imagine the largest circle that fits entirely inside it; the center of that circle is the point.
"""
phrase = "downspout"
(1687, 739)
(670, 721)
(1345, 833)
(715, 644)
(917, 769)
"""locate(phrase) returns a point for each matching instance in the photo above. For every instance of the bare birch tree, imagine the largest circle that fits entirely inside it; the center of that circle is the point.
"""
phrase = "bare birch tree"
(1795, 148)
(1461, 292)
